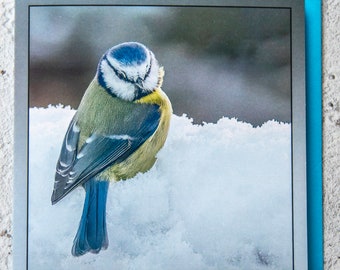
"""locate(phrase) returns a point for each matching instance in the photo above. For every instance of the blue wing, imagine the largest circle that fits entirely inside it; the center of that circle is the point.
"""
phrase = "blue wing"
(76, 166)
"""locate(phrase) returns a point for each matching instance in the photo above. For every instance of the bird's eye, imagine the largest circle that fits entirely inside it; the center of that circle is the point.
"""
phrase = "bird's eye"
(121, 75)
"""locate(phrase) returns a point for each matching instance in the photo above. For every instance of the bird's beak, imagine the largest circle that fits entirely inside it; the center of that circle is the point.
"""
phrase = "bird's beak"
(140, 83)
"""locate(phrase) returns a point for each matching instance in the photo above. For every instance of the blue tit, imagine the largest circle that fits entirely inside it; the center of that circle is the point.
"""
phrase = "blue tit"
(121, 123)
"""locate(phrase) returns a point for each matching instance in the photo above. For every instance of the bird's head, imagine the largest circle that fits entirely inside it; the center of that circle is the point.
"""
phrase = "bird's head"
(129, 71)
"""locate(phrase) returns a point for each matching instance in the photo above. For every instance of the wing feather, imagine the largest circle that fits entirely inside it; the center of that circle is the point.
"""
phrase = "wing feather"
(76, 166)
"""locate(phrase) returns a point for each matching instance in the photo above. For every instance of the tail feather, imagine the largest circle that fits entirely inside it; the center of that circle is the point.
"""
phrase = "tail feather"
(92, 234)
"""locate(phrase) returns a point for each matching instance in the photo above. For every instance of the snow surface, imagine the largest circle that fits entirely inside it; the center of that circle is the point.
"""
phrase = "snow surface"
(217, 198)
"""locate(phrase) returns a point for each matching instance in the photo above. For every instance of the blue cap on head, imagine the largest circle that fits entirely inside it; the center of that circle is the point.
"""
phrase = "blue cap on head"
(129, 53)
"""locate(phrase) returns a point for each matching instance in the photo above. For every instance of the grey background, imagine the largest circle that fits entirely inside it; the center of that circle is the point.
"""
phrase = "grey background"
(232, 62)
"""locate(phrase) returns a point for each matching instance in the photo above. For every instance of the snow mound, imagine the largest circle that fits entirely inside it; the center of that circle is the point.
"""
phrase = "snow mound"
(218, 197)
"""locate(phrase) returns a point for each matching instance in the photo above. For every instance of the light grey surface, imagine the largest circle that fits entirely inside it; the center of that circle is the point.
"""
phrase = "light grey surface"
(331, 131)
(6, 130)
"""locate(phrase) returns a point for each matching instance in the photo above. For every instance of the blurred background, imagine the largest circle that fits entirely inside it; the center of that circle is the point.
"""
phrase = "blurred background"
(232, 62)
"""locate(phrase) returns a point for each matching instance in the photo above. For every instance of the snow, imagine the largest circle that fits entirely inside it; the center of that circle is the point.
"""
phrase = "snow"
(219, 197)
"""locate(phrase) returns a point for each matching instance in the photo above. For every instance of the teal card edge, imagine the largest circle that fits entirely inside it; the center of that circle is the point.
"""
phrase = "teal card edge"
(313, 13)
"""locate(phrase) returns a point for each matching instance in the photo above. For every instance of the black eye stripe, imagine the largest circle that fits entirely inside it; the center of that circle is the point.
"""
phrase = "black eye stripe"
(119, 74)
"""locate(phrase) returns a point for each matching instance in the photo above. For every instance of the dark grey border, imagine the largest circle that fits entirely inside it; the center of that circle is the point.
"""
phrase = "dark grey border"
(299, 210)
(299, 153)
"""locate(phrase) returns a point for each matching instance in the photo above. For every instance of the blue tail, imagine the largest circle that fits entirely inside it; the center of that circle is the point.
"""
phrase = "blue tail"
(92, 235)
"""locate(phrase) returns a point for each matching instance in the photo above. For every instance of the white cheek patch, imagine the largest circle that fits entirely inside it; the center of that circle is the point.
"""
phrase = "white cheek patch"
(118, 87)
